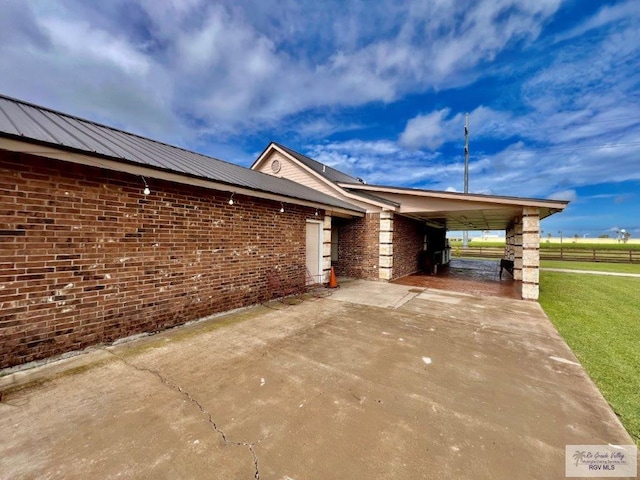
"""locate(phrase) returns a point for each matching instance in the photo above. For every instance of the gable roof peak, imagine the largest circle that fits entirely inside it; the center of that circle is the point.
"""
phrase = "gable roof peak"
(329, 173)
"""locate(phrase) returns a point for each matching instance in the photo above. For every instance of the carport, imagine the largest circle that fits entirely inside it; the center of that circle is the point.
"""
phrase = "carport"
(400, 223)
(451, 211)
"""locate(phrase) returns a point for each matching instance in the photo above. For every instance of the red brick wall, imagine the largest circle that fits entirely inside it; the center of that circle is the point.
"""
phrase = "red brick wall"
(408, 241)
(86, 258)
(358, 249)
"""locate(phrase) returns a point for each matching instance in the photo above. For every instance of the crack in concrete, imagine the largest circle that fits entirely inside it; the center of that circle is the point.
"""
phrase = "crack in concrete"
(405, 299)
(178, 388)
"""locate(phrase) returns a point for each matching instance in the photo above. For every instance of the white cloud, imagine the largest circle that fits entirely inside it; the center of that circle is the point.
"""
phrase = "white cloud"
(581, 125)
(378, 162)
(232, 66)
(202, 73)
(438, 127)
(606, 15)
(427, 130)
(515, 170)
(319, 127)
(569, 195)
(96, 47)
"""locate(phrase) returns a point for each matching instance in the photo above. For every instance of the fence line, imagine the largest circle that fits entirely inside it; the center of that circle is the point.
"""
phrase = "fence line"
(568, 254)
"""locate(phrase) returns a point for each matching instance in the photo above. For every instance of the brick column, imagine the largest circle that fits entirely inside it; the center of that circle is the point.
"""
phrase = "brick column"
(517, 245)
(510, 240)
(326, 248)
(385, 260)
(531, 253)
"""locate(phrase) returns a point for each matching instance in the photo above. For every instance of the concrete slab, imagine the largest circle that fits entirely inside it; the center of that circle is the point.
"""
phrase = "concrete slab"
(376, 294)
(445, 385)
(474, 276)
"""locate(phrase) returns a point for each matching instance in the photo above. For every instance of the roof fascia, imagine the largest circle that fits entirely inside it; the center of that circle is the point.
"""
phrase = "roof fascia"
(262, 156)
(557, 205)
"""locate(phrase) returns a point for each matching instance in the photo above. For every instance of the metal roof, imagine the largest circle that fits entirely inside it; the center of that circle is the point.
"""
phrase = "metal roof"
(480, 197)
(335, 176)
(373, 197)
(326, 171)
(38, 124)
(459, 211)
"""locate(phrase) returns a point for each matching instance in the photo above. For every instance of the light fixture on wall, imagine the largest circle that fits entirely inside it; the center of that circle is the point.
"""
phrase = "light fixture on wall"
(281, 207)
(316, 214)
(231, 198)
(146, 190)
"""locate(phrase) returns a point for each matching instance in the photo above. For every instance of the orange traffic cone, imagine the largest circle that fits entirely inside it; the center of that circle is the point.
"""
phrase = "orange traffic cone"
(333, 282)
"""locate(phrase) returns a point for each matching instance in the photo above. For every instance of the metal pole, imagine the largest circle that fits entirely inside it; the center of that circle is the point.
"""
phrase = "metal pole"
(465, 234)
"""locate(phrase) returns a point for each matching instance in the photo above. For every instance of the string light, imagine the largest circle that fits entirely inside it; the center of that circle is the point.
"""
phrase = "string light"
(316, 214)
(231, 199)
(146, 190)
(281, 207)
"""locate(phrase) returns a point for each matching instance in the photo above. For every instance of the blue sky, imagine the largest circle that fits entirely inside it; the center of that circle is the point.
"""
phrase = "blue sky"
(378, 90)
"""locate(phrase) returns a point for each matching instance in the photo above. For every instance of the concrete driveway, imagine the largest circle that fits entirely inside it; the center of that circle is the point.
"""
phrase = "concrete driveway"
(377, 381)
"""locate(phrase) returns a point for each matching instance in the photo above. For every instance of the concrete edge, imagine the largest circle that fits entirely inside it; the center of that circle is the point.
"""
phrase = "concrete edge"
(615, 417)
(48, 369)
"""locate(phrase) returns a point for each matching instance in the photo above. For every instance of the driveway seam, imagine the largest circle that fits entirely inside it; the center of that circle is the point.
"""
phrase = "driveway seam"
(407, 298)
(178, 388)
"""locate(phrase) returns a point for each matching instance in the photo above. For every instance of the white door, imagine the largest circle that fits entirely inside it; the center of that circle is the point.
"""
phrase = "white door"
(314, 250)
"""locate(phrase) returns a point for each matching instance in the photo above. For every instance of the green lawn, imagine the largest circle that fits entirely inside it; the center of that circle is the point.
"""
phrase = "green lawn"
(569, 245)
(591, 246)
(600, 320)
(597, 266)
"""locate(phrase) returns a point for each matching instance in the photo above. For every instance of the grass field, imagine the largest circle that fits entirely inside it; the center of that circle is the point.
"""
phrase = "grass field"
(600, 320)
(591, 246)
(568, 245)
(595, 266)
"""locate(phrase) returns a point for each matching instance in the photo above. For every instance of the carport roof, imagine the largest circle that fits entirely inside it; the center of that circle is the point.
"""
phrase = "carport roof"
(35, 124)
(451, 210)
(458, 211)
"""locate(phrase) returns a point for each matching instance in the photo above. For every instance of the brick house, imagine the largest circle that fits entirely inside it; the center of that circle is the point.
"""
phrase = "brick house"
(87, 255)
(105, 234)
(400, 223)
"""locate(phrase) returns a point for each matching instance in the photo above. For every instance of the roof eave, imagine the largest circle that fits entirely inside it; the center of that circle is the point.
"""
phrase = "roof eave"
(110, 163)
(557, 205)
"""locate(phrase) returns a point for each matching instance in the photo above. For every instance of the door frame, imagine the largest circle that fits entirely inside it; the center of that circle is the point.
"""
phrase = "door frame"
(320, 247)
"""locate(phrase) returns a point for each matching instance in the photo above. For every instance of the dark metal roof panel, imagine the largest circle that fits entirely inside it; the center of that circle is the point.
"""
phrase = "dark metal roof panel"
(6, 123)
(326, 171)
(95, 142)
(62, 131)
(36, 123)
(26, 125)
